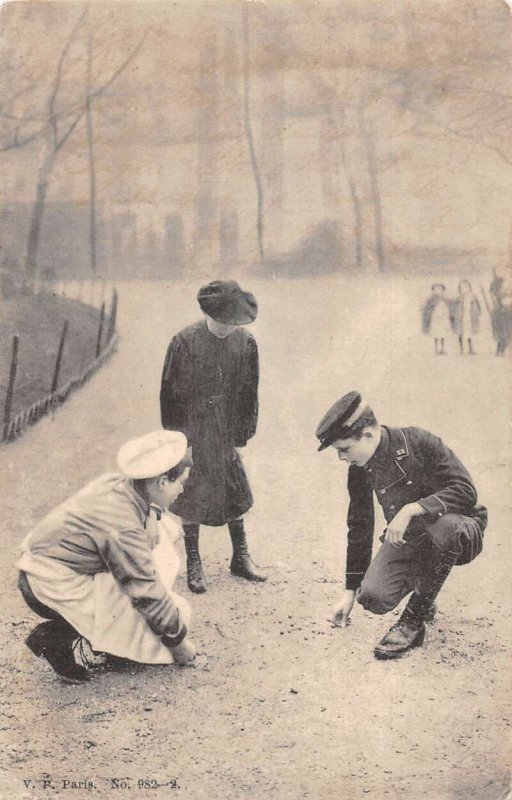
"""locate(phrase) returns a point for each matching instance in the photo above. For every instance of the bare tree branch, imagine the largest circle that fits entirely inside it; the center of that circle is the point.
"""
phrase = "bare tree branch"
(91, 160)
(56, 139)
(17, 142)
(52, 99)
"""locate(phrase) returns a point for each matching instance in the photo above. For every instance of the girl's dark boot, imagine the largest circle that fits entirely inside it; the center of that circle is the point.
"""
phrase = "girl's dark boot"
(195, 575)
(241, 564)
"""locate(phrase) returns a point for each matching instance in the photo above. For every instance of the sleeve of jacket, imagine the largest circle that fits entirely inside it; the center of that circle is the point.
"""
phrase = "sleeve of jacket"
(361, 526)
(174, 404)
(246, 417)
(128, 556)
(454, 488)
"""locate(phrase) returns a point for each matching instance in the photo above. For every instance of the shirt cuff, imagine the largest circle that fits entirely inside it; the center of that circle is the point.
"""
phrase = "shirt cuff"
(434, 506)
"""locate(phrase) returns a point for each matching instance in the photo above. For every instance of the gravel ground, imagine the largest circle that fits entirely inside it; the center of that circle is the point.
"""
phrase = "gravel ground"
(280, 704)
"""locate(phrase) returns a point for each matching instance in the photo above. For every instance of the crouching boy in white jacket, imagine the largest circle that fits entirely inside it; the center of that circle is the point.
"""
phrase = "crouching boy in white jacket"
(89, 566)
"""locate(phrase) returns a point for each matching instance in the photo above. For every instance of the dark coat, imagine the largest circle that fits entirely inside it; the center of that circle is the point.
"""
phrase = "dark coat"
(410, 465)
(501, 313)
(210, 392)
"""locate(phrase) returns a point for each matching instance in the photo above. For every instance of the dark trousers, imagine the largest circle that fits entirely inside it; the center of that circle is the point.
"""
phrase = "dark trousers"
(416, 565)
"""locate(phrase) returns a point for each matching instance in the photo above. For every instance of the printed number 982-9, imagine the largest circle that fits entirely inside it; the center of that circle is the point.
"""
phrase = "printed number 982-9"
(152, 783)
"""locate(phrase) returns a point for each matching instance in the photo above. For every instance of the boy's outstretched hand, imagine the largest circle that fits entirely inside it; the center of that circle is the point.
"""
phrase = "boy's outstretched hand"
(342, 611)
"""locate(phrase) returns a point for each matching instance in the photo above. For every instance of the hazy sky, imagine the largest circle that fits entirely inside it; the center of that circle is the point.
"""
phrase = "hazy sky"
(410, 99)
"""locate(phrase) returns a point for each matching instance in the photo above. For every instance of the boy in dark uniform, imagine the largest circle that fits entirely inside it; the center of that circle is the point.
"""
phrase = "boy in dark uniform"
(209, 392)
(430, 505)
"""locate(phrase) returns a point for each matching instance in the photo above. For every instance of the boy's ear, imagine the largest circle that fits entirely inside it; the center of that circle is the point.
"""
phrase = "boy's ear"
(156, 483)
(161, 480)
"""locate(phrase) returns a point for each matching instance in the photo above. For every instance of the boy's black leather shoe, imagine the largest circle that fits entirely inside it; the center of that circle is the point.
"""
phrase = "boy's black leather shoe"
(400, 638)
(45, 642)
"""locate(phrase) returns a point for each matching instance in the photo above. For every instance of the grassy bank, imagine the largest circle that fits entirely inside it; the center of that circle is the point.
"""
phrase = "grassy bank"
(38, 321)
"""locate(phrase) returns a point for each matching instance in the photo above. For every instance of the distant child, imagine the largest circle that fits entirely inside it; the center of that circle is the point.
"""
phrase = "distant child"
(501, 313)
(436, 318)
(466, 317)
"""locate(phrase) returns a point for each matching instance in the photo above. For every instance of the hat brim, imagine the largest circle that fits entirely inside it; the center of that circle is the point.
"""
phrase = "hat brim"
(235, 308)
(227, 318)
(152, 455)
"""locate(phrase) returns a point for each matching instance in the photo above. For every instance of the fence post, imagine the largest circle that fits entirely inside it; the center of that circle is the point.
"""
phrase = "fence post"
(113, 314)
(59, 357)
(100, 330)
(10, 388)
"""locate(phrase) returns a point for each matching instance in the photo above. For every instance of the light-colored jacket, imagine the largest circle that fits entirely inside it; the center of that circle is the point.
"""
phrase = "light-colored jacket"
(474, 312)
(102, 528)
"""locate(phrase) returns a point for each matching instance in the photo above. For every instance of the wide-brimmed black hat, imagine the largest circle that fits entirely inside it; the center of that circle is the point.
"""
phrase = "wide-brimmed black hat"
(336, 423)
(225, 301)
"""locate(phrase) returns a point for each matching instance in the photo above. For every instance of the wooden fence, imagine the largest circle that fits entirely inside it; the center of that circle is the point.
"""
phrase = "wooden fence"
(13, 426)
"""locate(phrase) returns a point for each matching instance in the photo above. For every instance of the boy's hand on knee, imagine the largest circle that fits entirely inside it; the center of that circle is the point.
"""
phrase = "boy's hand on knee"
(396, 529)
(340, 617)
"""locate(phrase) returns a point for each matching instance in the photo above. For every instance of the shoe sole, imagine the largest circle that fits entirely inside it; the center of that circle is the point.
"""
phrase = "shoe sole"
(247, 576)
(73, 681)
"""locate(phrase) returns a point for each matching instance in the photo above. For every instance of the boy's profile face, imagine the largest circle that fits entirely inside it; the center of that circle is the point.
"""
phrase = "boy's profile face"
(162, 492)
(358, 451)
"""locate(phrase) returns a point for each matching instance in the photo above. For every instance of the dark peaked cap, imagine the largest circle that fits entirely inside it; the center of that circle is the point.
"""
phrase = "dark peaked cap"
(225, 301)
(341, 416)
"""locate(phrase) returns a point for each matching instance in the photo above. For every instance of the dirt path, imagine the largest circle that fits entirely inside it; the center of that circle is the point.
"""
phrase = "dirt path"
(280, 704)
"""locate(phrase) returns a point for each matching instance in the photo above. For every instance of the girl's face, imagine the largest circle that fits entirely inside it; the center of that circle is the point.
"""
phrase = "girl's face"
(219, 329)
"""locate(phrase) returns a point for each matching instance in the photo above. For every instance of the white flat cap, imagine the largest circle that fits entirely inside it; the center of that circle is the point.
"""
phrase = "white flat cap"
(152, 454)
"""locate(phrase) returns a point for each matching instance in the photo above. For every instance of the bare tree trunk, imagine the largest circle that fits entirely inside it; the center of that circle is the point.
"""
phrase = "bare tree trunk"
(249, 134)
(377, 203)
(356, 208)
(57, 134)
(358, 227)
(36, 217)
(92, 163)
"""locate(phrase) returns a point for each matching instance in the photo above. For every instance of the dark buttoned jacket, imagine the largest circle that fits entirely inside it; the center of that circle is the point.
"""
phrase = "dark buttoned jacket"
(410, 465)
